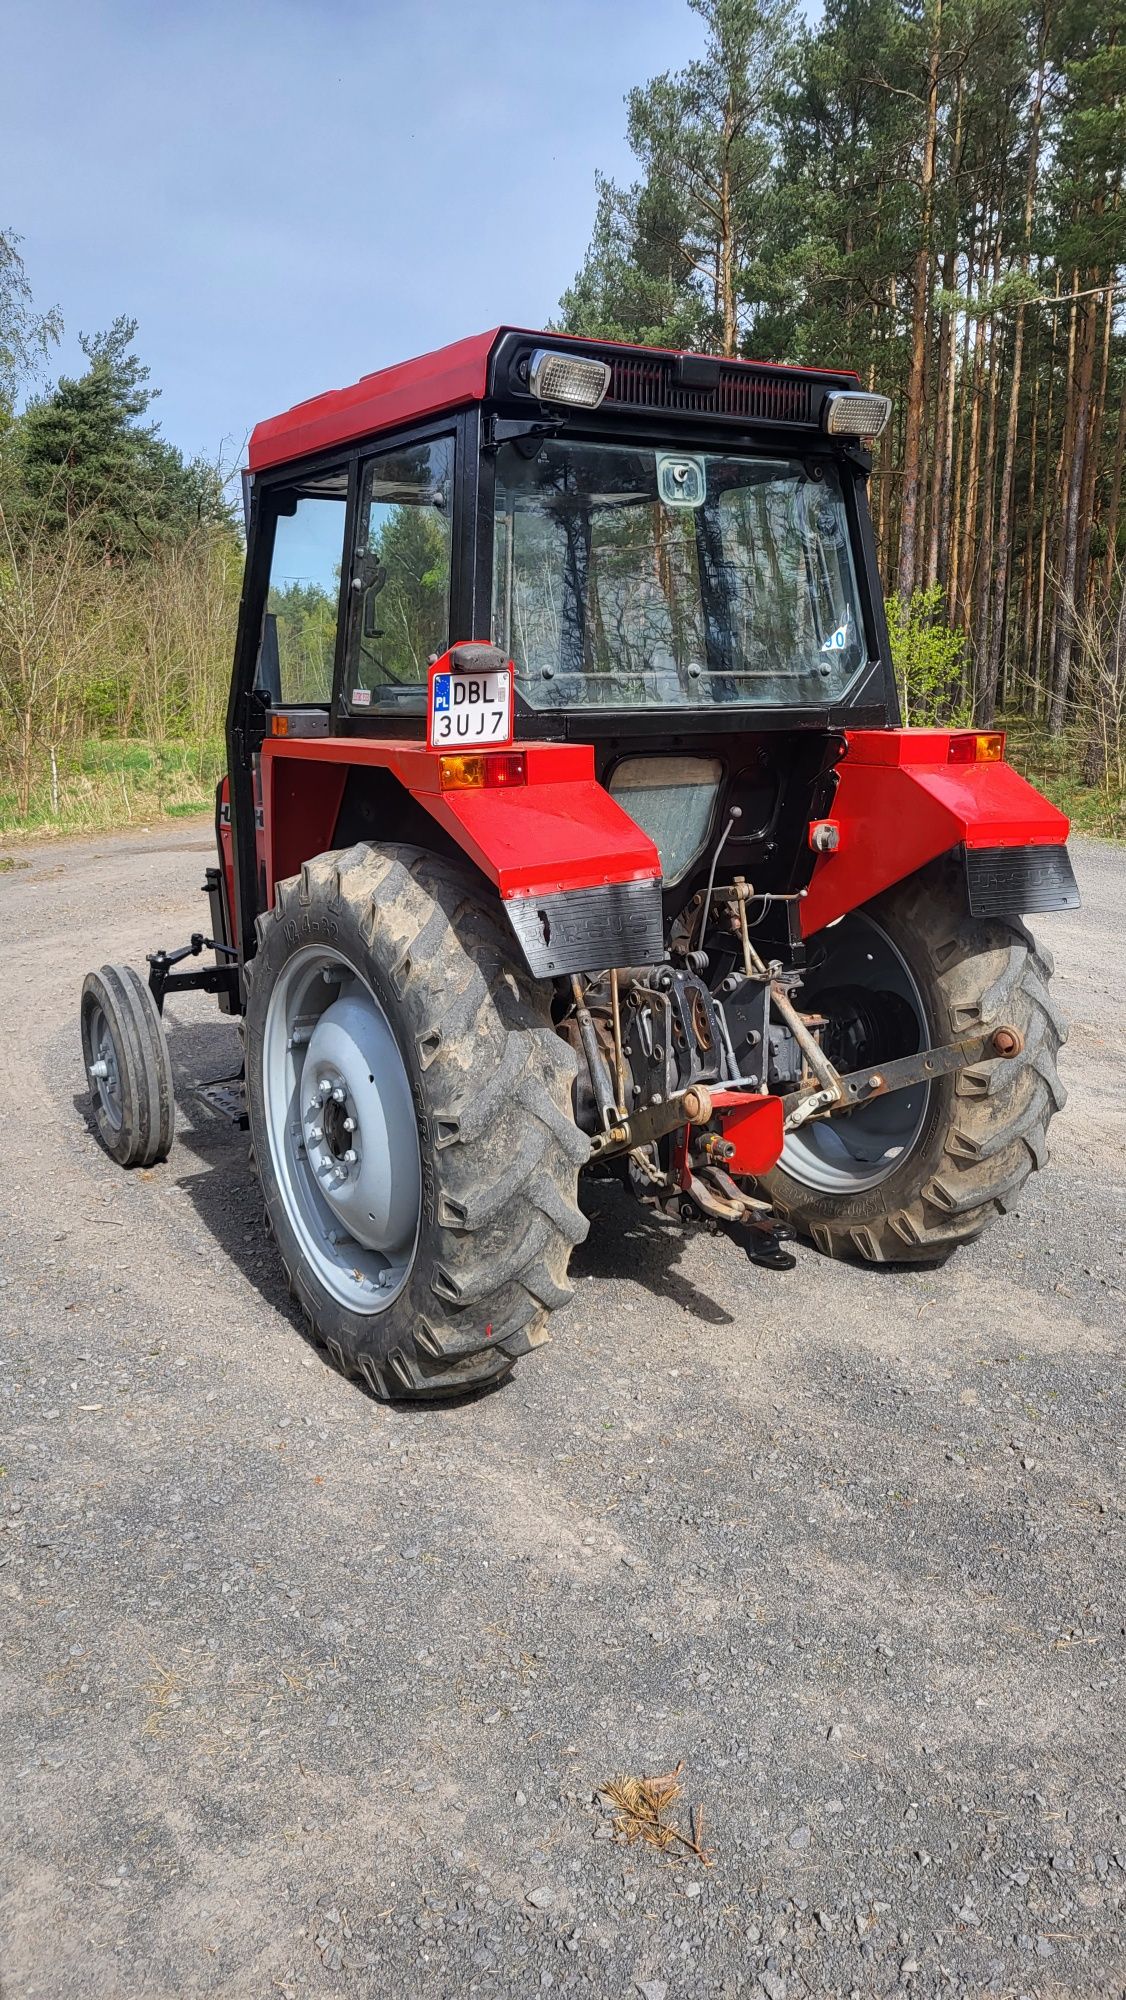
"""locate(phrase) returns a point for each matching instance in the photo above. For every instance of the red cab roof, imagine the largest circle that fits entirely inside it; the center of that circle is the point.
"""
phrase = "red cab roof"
(411, 389)
(444, 380)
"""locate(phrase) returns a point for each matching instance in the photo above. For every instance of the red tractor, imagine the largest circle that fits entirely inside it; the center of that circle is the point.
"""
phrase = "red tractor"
(570, 828)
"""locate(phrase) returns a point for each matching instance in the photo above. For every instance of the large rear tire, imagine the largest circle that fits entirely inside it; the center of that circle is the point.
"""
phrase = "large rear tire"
(963, 1147)
(426, 1219)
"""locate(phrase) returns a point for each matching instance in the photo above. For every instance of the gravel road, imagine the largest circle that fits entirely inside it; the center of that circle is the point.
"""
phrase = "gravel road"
(300, 1695)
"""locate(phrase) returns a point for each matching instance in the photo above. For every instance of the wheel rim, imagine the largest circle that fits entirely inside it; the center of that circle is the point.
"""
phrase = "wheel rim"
(341, 1129)
(102, 1068)
(847, 1155)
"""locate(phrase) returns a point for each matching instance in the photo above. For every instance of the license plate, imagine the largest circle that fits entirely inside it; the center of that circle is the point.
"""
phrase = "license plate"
(470, 709)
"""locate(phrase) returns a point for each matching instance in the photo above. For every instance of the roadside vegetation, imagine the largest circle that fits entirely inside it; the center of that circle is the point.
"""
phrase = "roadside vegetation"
(930, 192)
(120, 569)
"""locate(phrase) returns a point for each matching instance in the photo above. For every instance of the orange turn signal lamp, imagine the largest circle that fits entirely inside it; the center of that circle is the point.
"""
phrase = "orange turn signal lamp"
(977, 747)
(472, 772)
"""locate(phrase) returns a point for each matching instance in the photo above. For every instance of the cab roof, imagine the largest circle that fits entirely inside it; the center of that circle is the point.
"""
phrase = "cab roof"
(448, 379)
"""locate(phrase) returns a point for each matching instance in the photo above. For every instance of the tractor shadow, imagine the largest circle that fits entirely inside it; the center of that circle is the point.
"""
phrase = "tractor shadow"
(224, 1193)
(627, 1241)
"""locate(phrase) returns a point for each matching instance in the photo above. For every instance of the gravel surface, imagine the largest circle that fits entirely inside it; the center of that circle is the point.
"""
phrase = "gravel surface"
(300, 1695)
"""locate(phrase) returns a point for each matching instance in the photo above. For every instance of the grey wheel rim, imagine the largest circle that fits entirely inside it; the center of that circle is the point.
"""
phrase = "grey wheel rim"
(851, 1154)
(103, 1071)
(341, 1130)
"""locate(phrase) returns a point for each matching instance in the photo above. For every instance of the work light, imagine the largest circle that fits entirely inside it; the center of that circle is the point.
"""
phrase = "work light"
(568, 378)
(855, 413)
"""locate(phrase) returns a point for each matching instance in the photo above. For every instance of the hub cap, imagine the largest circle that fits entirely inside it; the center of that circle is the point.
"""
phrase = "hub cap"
(846, 1155)
(103, 1071)
(341, 1129)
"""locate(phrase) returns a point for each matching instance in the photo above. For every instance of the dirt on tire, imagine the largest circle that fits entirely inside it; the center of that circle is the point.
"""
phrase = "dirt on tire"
(986, 1127)
(491, 1086)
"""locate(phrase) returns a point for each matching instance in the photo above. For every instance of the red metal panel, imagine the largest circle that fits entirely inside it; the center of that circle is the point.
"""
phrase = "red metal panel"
(754, 1125)
(408, 391)
(900, 804)
(559, 831)
(541, 838)
(300, 802)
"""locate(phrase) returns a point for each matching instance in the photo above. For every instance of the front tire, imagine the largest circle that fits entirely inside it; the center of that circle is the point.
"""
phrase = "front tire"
(427, 1219)
(125, 1053)
(967, 1142)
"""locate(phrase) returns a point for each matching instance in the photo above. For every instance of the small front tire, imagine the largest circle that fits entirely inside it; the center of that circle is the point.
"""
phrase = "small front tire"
(125, 1053)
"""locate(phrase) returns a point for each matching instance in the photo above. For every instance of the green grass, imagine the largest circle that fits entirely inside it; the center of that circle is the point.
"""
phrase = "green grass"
(1053, 765)
(106, 782)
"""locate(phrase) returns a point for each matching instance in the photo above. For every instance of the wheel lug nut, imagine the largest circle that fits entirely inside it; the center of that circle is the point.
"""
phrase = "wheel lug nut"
(349, 1124)
(98, 1070)
(349, 1158)
(316, 1135)
(338, 1095)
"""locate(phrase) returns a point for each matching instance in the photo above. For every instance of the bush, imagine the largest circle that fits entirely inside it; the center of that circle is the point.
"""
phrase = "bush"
(92, 647)
(928, 659)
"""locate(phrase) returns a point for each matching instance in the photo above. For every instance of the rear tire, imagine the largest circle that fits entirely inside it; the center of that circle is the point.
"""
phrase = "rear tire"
(125, 1054)
(469, 1223)
(983, 1130)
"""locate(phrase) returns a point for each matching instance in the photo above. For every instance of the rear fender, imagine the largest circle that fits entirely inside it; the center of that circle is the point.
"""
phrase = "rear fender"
(900, 803)
(579, 881)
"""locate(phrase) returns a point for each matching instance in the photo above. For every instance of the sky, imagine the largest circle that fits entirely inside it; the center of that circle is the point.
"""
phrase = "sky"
(288, 195)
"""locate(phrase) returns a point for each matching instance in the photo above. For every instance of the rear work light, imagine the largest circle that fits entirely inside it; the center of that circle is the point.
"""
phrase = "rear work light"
(855, 413)
(568, 378)
(475, 773)
(977, 747)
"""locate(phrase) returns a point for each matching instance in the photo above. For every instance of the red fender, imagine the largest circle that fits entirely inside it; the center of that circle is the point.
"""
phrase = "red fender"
(558, 830)
(901, 803)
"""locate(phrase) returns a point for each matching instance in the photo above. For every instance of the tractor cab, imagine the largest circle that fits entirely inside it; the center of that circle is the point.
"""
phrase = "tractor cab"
(569, 829)
(673, 552)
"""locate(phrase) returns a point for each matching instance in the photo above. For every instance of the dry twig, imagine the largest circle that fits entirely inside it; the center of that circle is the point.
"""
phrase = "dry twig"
(641, 1807)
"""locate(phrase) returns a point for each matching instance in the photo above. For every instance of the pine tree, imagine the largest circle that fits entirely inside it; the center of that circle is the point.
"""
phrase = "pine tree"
(86, 452)
(672, 259)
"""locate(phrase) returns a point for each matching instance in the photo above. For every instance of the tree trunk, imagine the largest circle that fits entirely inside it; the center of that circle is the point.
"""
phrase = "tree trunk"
(915, 414)
(938, 543)
(1094, 438)
(954, 559)
(1028, 563)
(1005, 520)
(973, 476)
(727, 236)
(1115, 500)
(1061, 660)
(1063, 467)
(1050, 484)
(983, 698)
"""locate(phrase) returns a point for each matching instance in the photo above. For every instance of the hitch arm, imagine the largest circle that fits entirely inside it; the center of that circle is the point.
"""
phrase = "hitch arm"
(863, 1084)
(688, 1107)
(222, 978)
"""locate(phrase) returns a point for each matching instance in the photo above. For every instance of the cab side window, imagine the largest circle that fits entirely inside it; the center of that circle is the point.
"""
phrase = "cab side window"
(299, 638)
(401, 577)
